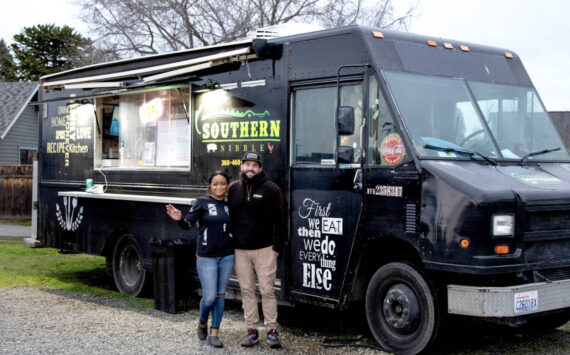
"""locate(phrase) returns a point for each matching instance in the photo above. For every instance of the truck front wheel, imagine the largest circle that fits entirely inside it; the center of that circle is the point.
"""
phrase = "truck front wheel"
(128, 271)
(402, 309)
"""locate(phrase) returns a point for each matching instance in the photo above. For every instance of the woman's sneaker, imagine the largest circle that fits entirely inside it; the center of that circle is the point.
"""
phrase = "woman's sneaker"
(202, 331)
(273, 339)
(215, 341)
(251, 338)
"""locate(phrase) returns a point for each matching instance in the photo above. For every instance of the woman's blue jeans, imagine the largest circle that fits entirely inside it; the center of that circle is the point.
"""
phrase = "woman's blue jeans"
(214, 276)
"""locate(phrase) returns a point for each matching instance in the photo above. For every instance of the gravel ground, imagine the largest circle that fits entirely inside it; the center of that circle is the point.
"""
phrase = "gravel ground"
(34, 321)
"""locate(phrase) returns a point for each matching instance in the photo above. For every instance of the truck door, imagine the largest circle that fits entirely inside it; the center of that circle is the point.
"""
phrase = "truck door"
(325, 207)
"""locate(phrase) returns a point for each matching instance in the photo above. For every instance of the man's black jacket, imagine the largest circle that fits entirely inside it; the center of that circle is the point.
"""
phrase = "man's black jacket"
(257, 213)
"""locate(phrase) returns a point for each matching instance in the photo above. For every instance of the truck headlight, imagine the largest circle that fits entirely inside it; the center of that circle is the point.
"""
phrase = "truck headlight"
(503, 225)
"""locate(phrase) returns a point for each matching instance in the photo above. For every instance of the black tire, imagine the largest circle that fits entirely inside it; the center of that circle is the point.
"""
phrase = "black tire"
(128, 270)
(402, 309)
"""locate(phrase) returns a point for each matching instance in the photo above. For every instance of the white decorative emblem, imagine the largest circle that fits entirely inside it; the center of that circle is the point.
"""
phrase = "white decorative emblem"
(70, 221)
(211, 147)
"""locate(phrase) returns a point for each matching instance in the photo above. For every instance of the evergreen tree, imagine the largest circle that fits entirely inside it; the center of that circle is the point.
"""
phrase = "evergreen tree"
(7, 65)
(45, 49)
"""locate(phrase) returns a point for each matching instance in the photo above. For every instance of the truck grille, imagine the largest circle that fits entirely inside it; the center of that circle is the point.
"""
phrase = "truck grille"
(541, 221)
(553, 274)
(548, 251)
(547, 235)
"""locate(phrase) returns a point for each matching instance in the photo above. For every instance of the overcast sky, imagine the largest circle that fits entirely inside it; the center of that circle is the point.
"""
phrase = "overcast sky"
(537, 30)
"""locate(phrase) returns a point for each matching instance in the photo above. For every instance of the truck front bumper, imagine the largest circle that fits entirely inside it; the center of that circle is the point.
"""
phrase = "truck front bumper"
(510, 301)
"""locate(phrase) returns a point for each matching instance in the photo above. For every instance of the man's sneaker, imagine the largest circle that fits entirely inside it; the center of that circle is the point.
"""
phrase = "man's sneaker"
(251, 339)
(215, 341)
(273, 339)
(202, 331)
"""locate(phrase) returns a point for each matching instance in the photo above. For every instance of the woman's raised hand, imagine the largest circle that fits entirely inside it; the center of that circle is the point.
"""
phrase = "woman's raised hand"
(173, 212)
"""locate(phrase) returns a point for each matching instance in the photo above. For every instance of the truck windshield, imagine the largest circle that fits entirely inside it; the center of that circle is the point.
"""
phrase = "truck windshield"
(519, 122)
(441, 113)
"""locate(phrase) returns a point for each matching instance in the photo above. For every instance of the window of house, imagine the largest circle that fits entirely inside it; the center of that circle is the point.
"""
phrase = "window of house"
(27, 155)
(146, 129)
(314, 124)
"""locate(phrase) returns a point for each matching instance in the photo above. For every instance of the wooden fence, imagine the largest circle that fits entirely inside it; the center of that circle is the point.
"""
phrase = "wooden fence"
(15, 192)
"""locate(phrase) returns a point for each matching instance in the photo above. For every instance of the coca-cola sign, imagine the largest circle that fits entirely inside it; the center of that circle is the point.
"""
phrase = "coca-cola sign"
(392, 149)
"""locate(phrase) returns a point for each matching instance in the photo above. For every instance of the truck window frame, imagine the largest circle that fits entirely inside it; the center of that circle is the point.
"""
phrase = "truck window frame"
(379, 104)
(328, 162)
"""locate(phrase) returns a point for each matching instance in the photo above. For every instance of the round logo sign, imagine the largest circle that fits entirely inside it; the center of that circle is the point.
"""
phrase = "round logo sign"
(392, 149)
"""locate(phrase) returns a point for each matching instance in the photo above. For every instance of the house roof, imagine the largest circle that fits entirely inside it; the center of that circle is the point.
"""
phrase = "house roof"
(14, 97)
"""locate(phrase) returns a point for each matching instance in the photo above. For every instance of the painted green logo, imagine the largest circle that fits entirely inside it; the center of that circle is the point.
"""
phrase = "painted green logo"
(231, 125)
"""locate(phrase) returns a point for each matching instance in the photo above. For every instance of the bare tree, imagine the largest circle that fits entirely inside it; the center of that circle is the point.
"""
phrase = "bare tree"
(383, 15)
(378, 13)
(141, 27)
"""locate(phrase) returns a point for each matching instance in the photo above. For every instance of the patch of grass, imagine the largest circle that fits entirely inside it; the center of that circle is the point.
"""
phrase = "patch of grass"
(17, 221)
(47, 268)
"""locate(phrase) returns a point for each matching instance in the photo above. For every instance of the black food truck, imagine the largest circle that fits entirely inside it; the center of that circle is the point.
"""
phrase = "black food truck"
(423, 176)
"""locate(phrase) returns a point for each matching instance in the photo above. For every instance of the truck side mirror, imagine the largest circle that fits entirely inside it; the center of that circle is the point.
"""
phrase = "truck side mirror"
(345, 120)
(344, 154)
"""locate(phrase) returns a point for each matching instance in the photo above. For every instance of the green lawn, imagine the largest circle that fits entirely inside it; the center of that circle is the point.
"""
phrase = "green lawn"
(47, 268)
(19, 222)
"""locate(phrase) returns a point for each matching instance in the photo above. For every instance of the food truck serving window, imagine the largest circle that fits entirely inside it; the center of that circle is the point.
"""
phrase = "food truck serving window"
(144, 130)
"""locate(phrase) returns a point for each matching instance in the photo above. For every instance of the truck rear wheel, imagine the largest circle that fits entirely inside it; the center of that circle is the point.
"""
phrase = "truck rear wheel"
(402, 309)
(128, 271)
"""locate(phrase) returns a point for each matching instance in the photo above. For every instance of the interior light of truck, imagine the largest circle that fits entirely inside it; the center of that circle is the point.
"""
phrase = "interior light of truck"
(447, 45)
(502, 249)
(509, 55)
(150, 111)
(464, 242)
(377, 34)
(431, 43)
(464, 48)
(503, 225)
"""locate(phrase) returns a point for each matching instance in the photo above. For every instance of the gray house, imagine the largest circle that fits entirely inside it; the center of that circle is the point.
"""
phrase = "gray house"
(19, 127)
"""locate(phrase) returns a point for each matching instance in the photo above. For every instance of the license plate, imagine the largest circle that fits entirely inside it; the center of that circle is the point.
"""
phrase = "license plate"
(526, 301)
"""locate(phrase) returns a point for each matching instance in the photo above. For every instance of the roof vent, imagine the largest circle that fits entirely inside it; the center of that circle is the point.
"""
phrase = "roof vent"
(283, 29)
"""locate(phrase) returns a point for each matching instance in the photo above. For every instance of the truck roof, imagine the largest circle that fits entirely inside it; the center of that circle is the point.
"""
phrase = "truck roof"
(325, 50)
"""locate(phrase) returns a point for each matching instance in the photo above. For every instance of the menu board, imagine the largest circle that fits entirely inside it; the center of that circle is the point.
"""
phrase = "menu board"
(173, 143)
